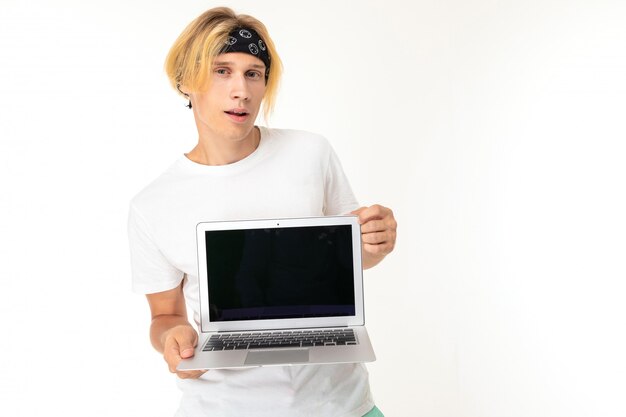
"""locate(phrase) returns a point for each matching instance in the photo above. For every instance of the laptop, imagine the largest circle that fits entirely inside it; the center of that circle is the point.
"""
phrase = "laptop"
(280, 292)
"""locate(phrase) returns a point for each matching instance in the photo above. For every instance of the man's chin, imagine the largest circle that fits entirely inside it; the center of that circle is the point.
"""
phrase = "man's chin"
(241, 132)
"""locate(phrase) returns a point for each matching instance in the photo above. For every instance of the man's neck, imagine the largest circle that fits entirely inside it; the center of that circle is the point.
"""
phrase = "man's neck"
(213, 150)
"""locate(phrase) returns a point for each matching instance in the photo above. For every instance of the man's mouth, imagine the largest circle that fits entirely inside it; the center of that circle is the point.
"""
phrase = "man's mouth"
(237, 112)
(238, 115)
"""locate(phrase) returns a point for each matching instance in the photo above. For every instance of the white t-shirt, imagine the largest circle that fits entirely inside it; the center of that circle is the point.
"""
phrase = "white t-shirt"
(290, 174)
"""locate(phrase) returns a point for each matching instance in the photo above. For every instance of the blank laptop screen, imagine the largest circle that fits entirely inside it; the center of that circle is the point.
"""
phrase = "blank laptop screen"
(291, 272)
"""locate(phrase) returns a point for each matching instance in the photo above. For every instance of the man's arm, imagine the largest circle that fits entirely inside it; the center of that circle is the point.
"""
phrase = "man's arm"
(378, 233)
(170, 331)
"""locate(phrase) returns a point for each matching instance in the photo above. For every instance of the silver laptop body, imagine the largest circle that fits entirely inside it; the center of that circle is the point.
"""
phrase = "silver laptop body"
(280, 292)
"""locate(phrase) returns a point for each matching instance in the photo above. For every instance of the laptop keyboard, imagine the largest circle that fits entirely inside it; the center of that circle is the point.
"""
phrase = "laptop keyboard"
(280, 339)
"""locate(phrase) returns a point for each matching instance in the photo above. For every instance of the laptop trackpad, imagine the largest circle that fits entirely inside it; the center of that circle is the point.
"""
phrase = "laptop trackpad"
(269, 357)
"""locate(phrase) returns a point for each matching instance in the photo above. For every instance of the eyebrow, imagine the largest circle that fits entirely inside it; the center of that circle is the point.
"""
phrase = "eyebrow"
(232, 63)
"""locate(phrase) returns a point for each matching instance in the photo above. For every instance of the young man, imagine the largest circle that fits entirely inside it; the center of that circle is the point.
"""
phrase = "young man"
(227, 65)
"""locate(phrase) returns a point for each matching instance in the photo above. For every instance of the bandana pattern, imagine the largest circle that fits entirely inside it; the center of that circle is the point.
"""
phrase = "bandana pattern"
(248, 41)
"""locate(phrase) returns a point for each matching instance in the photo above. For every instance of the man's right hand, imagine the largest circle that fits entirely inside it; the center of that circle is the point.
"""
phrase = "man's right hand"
(178, 344)
(170, 332)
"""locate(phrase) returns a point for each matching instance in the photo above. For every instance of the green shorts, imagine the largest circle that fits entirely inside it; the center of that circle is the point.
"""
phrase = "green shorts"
(374, 412)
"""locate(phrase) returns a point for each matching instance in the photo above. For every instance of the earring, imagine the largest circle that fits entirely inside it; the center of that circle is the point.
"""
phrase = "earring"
(189, 105)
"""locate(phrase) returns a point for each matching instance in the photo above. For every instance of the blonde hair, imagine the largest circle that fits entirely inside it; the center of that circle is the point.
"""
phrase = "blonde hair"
(191, 57)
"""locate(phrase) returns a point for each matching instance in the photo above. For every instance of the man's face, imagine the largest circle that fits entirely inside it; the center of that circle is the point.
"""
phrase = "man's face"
(229, 107)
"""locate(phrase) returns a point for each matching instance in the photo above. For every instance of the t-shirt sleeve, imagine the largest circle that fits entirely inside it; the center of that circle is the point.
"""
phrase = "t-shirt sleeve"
(151, 271)
(338, 195)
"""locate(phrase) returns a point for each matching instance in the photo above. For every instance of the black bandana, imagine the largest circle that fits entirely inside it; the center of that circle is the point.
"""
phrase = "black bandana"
(248, 41)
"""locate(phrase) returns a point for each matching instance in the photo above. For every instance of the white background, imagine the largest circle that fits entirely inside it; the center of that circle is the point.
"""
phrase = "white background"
(494, 129)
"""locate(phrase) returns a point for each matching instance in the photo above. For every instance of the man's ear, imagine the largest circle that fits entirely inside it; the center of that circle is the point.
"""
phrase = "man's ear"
(181, 89)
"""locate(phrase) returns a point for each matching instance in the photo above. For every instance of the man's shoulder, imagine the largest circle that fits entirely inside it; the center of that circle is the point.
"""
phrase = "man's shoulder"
(159, 188)
(297, 138)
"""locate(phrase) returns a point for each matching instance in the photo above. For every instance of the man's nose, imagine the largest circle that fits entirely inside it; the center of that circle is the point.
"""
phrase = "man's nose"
(239, 88)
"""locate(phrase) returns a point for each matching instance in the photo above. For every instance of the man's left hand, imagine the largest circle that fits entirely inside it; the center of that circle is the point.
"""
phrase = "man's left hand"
(378, 233)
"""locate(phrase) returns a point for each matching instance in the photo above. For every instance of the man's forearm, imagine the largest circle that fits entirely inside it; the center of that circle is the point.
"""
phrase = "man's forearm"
(161, 325)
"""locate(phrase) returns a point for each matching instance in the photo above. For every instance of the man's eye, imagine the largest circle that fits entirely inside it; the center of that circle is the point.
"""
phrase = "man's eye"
(221, 71)
(253, 74)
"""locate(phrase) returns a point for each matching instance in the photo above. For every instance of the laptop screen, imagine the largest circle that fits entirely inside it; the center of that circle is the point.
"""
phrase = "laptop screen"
(276, 273)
